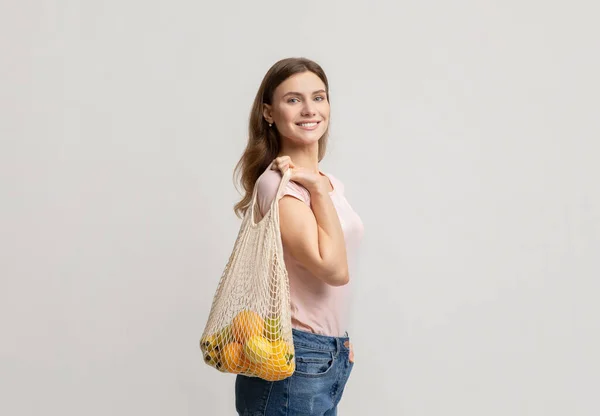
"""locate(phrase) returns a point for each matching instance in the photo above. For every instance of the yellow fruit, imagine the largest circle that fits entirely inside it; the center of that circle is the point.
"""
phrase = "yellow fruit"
(281, 347)
(247, 324)
(269, 373)
(258, 349)
(281, 373)
(281, 357)
(208, 343)
(233, 358)
(272, 328)
(277, 361)
(216, 341)
(213, 358)
(278, 366)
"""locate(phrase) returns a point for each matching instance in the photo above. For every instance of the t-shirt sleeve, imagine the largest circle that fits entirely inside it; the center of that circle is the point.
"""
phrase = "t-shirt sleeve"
(268, 184)
(337, 184)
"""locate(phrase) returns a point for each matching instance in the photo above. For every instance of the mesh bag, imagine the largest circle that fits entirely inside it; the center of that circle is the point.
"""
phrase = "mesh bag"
(249, 327)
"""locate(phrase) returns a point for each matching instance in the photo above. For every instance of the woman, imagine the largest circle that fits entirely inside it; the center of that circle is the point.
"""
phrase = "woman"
(289, 127)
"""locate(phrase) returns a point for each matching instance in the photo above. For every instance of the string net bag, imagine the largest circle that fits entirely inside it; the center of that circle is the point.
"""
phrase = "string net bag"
(249, 328)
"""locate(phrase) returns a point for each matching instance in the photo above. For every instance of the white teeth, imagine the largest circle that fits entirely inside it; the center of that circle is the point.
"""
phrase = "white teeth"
(308, 124)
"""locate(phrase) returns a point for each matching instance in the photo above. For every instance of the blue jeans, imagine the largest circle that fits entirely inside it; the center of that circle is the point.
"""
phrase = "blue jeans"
(315, 388)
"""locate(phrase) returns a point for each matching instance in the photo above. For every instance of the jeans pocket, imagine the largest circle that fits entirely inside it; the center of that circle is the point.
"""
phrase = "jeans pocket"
(313, 363)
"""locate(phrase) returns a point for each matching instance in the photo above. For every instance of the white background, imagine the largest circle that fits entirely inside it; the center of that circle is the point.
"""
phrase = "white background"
(466, 133)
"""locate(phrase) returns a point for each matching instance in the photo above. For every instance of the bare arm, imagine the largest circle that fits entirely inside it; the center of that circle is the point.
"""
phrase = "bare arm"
(314, 236)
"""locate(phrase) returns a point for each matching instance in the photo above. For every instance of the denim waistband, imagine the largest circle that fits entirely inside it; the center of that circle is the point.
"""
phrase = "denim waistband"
(321, 342)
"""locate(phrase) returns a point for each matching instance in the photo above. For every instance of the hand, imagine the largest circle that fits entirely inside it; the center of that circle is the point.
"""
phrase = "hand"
(310, 180)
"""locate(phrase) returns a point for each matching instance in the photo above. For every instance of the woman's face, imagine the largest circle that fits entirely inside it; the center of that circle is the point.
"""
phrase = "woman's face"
(300, 109)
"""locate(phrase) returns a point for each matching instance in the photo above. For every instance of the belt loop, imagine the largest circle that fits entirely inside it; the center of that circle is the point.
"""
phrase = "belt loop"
(338, 346)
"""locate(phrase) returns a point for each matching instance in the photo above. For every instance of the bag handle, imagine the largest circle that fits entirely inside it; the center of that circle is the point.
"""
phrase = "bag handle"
(285, 178)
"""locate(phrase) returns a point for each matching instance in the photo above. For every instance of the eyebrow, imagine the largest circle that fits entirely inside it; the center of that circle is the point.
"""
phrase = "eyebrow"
(297, 93)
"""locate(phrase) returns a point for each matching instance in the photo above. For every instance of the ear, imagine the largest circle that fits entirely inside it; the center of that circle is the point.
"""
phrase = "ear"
(268, 113)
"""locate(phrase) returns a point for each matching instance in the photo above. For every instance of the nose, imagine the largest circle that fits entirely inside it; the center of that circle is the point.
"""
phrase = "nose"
(308, 109)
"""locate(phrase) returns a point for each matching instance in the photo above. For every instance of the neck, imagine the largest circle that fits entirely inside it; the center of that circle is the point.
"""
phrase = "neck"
(304, 156)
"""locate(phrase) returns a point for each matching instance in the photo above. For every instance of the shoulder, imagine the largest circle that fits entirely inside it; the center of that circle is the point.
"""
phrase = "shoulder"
(338, 185)
(267, 185)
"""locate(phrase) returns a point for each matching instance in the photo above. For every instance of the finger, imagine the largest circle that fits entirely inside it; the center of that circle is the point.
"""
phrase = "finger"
(282, 167)
(277, 164)
(278, 161)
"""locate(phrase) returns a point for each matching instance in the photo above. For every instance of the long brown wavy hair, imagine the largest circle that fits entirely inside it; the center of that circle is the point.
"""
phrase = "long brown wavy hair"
(264, 141)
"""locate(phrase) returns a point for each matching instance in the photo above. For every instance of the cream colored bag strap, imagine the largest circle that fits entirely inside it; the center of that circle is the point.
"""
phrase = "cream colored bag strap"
(285, 178)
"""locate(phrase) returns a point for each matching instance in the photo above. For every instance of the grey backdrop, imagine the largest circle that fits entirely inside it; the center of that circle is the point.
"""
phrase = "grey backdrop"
(466, 133)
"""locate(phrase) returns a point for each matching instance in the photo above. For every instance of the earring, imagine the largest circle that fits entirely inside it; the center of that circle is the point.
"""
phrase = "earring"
(270, 125)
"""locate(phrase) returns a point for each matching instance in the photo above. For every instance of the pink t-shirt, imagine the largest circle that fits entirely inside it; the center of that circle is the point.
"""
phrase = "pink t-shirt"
(316, 306)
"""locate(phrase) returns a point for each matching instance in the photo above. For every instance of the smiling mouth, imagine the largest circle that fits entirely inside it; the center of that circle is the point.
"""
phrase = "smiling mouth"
(308, 124)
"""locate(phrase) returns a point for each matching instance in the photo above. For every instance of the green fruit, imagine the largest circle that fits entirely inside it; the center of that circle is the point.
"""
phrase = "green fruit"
(272, 328)
(224, 337)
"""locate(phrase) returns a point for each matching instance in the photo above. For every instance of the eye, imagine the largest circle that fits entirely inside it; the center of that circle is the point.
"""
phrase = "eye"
(291, 100)
(320, 98)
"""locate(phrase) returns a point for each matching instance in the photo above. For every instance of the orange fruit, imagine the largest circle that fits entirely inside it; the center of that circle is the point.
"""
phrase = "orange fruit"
(247, 324)
(233, 358)
(259, 370)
